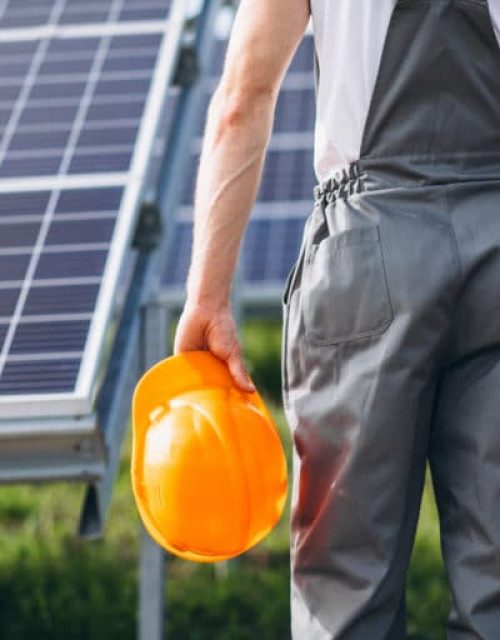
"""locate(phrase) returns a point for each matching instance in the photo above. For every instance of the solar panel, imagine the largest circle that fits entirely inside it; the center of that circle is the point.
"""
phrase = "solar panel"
(82, 91)
(285, 197)
(41, 12)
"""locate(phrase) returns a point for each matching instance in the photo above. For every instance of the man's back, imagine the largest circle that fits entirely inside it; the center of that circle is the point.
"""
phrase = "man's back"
(349, 37)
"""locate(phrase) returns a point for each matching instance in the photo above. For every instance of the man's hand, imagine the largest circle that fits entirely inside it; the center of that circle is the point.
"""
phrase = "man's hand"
(205, 328)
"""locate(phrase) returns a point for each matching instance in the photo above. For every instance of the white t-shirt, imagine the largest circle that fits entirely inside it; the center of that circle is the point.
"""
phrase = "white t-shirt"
(349, 36)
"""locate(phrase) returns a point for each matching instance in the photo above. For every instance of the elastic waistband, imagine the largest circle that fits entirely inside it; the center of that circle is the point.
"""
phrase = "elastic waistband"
(343, 182)
(374, 173)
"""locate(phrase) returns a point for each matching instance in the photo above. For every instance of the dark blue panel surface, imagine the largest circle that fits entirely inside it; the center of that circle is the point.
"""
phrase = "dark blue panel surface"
(22, 167)
(303, 60)
(5, 114)
(65, 46)
(287, 176)
(71, 265)
(39, 114)
(50, 337)
(18, 235)
(70, 298)
(137, 62)
(18, 48)
(100, 162)
(130, 109)
(13, 267)
(142, 13)
(8, 299)
(258, 239)
(295, 111)
(11, 69)
(179, 254)
(56, 90)
(39, 376)
(108, 136)
(135, 41)
(25, 203)
(80, 231)
(128, 86)
(85, 17)
(82, 200)
(24, 140)
(9, 92)
(54, 66)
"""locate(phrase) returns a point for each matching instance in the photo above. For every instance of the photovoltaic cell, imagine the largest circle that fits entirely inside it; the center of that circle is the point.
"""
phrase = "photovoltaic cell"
(58, 299)
(53, 337)
(69, 264)
(33, 377)
(8, 299)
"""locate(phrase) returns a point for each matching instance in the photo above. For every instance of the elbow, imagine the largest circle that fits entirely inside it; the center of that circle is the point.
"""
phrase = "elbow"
(239, 106)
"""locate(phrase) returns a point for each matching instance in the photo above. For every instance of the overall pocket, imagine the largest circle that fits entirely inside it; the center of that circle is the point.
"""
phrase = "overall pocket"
(345, 292)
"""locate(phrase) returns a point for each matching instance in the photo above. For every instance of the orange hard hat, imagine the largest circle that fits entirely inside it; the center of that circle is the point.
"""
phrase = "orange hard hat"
(208, 468)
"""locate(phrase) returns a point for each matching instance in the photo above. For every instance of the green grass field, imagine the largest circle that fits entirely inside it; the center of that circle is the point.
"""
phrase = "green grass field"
(53, 586)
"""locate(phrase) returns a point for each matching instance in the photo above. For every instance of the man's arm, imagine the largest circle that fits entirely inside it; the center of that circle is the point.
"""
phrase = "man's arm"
(263, 40)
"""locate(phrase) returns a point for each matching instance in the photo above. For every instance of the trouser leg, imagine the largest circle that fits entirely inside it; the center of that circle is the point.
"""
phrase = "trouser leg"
(360, 412)
(465, 442)
(465, 463)
(354, 511)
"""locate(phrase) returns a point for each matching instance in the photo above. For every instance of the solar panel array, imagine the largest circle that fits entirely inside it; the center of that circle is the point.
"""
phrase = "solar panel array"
(285, 198)
(81, 88)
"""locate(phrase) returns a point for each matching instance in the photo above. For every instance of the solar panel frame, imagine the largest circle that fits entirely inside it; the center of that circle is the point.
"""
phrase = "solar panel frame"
(80, 400)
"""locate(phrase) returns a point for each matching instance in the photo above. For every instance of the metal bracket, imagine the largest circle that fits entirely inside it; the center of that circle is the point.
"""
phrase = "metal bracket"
(188, 67)
(149, 227)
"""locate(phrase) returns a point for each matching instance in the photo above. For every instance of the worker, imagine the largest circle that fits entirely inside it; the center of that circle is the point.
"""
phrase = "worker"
(391, 312)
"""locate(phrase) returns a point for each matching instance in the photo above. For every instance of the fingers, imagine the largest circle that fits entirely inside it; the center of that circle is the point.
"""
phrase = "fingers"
(239, 372)
(199, 330)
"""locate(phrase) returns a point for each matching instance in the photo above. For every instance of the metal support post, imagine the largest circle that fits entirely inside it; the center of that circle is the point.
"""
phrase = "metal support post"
(154, 347)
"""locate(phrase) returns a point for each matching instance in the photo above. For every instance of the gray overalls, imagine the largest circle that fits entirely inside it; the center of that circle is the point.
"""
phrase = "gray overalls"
(391, 342)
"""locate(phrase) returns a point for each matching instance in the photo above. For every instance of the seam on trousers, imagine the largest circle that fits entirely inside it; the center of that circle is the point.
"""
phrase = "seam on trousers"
(445, 343)
(452, 231)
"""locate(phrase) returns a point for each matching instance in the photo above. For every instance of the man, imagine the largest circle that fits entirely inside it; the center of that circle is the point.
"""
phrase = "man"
(391, 347)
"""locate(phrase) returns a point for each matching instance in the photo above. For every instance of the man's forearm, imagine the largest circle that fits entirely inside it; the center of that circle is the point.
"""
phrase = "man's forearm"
(235, 140)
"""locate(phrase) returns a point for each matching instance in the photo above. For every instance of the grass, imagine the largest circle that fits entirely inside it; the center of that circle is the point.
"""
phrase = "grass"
(53, 586)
